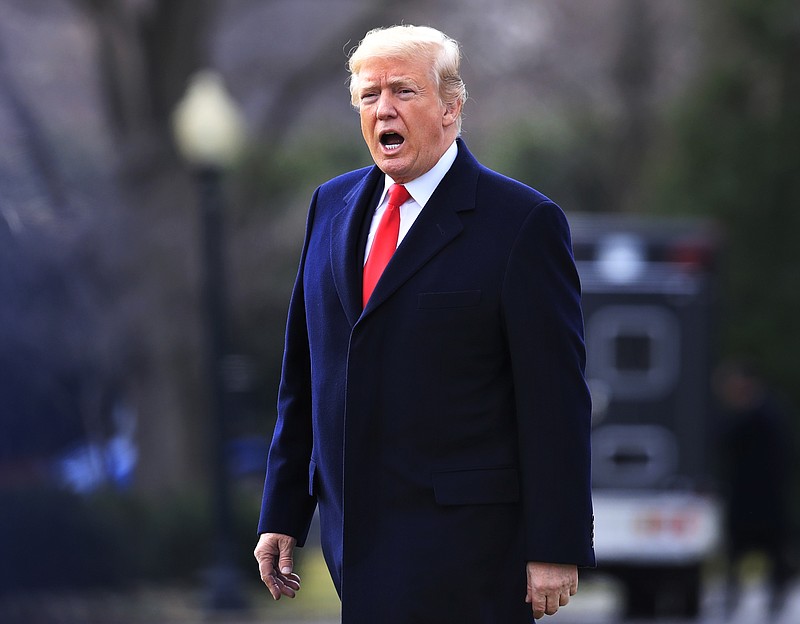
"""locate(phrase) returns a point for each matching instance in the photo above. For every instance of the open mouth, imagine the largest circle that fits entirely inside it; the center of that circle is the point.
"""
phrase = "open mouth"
(391, 140)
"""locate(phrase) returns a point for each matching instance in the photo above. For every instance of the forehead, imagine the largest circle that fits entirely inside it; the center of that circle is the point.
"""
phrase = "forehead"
(395, 69)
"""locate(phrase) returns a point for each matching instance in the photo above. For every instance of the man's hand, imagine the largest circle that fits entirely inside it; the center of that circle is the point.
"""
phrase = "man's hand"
(275, 563)
(549, 586)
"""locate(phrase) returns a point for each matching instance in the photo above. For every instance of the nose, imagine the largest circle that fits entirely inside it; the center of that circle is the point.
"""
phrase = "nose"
(385, 108)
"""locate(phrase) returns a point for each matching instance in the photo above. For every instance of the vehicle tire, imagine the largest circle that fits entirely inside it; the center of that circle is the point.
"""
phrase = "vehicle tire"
(652, 592)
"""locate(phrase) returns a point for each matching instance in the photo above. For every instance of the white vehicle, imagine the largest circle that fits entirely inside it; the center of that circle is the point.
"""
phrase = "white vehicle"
(648, 301)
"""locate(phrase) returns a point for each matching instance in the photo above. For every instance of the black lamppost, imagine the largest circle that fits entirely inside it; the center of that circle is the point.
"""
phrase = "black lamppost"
(209, 134)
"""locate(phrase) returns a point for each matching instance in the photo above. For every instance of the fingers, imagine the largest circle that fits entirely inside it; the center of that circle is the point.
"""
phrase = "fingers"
(286, 561)
(292, 580)
(281, 585)
(274, 553)
(270, 578)
(267, 571)
(550, 587)
(548, 605)
(286, 585)
(539, 607)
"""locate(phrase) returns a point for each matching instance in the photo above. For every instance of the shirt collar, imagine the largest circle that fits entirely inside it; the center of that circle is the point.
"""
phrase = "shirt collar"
(422, 188)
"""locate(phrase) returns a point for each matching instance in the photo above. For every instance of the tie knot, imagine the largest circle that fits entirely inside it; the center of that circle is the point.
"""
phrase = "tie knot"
(398, 195)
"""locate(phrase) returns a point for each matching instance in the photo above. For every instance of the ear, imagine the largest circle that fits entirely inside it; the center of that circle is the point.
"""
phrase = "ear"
(451, 113)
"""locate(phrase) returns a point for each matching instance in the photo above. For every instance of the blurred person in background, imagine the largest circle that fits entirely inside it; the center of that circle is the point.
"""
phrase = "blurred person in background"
(756, 453)
(436, 411)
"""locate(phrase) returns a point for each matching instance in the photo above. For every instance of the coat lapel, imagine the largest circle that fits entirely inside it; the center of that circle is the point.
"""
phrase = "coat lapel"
(437, 225)
(346, 243)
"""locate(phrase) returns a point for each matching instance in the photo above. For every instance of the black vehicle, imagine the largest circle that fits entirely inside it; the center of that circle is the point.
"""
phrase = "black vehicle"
(648, 300)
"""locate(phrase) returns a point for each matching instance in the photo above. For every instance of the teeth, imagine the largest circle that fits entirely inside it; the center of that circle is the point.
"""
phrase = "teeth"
(393, 147)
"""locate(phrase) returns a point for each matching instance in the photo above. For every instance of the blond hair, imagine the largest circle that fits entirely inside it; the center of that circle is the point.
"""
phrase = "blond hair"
(413, 42)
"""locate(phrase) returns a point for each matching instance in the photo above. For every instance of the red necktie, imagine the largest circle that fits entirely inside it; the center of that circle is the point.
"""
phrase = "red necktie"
(385, 241)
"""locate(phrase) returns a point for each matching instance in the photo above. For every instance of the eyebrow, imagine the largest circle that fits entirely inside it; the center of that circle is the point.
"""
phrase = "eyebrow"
(392, 82)
(402, 80)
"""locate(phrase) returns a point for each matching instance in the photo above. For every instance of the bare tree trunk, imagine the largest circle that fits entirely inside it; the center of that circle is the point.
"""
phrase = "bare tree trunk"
(146, 52)
(633, 74)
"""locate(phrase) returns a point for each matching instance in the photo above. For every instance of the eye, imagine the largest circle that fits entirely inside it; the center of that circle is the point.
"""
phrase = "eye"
(368, 96)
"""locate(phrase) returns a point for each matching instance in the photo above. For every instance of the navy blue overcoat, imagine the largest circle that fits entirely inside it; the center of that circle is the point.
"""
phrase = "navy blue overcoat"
(443, 430)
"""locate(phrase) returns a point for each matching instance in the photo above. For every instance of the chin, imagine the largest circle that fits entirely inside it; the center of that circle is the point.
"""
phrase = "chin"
(391, 168)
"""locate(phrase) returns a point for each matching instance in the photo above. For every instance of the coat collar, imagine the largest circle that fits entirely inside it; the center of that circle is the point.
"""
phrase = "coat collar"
(437, 225)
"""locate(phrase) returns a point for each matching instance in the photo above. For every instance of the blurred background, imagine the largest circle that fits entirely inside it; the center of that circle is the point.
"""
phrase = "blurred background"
(156, 162)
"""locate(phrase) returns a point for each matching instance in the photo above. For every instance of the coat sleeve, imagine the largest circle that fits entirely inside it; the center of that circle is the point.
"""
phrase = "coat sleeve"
(544, 325)
(287, 506)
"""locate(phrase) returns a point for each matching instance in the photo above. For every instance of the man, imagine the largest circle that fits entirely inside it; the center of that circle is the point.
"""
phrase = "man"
(755, 452)
(440, 421)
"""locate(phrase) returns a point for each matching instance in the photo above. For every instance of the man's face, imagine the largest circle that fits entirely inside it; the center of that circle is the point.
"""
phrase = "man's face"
(404, 123)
